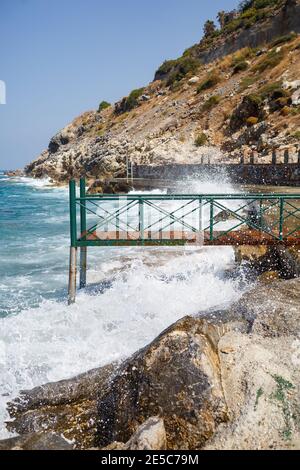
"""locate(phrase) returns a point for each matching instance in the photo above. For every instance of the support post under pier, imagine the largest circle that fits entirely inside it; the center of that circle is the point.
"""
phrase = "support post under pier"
(72, 275)
(83, 261)
(83, 249)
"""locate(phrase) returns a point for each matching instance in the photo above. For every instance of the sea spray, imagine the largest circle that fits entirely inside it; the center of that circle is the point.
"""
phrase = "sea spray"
(132, 294)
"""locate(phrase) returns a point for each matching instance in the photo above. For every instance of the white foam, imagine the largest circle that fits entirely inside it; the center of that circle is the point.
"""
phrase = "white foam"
(54, 341)
(149, 290)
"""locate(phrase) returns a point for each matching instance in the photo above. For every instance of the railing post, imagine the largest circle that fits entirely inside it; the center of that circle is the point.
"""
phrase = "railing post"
(211, 221)
(83, 249)
(261, 224)
(73, 247)
(200, 215)
(281, 218)
(141, 219)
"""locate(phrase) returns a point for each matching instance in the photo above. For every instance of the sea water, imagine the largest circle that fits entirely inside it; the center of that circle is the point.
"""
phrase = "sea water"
(132, 293)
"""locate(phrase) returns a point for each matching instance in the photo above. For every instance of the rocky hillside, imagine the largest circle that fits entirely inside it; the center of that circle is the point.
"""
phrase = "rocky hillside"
(236, 91)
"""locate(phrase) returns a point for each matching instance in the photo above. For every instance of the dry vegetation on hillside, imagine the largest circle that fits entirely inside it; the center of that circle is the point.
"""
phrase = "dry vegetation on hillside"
(218, 111)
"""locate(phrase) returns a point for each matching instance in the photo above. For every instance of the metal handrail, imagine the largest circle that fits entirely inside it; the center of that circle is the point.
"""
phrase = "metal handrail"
(252, 226)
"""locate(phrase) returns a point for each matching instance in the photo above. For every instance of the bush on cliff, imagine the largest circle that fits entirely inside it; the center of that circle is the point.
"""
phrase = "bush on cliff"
(250, 107)
(240, 67)
(272, 59)
(210, 81)
(130, 102)
(175, 70)
(283, 39)
(103, 105)
(211, 103)
(183, 66)
(200, 140)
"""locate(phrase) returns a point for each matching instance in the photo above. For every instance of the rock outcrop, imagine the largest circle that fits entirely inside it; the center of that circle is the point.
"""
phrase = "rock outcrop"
(222, 380)
(230, 96)
(66, 408)
(178, 377)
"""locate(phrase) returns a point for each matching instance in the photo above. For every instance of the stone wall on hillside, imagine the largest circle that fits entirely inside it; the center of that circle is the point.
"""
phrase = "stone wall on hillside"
(276, 174)
(284, 22)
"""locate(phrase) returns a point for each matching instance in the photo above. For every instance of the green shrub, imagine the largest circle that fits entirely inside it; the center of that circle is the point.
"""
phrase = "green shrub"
(210, 81)
(270, 61)
(296, 135)
(132, 99)
(200, 140)
(167, 66)
(211, 102)
(283, 39)
(240, 67)
(103, 105)
(246, 82)
(249, 13)
(175, 70)
(258, 4)
(183, 66)
(268, 90)
(233, 25)
(175, 85)
(265, 3)
(254, 99)
(295, 111)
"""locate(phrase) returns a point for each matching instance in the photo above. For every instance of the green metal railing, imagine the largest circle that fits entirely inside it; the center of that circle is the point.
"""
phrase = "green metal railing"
(274, 216)
(177, 219)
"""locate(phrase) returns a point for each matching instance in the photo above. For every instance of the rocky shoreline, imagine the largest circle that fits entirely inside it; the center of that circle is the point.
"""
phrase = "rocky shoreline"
(213, 381)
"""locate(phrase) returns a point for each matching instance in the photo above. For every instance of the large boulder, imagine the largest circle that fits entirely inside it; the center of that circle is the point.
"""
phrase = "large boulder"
(67, 407)
(177, 377)
(36, 441)
(251, 106)
(223, 380)
(151, 435)
(272, 310)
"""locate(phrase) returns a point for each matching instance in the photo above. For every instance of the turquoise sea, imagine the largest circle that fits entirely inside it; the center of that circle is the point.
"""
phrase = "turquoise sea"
(132, 294)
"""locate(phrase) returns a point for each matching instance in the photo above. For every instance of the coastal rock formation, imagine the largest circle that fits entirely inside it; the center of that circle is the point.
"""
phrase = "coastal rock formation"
(285, 261)
(151, 435)
(176, 376)
(36, 441)
(215, 381)
(67, 408)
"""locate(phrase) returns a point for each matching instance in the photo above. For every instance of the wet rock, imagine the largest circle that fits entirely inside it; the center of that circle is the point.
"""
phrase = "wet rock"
(223, 216)
(14, 173)
(279, 258)
(178, 377)
(151, 435)
(67, 407)
(268, 277)
(36, 441)
(96, 187)
(272, 310)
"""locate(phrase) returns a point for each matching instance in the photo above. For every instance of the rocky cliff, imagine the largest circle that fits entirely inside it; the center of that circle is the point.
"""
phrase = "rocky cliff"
(236, 92)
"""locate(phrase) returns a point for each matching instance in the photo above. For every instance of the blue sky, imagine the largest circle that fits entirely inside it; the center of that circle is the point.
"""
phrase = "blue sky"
(59, 58)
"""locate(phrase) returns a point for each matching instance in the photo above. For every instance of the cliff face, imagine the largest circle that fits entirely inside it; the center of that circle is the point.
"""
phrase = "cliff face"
(281, 22)
(235, 100)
